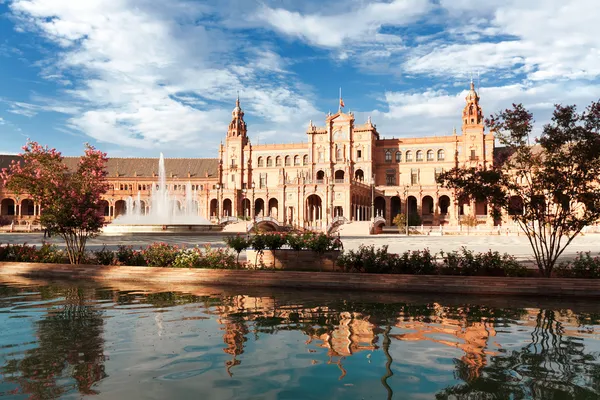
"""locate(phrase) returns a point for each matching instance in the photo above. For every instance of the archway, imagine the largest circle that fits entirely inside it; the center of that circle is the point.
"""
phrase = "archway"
(444, 205)
(339, 176)
(104, 208)
(395, 206)
(273, 207)
(259, 207)
(213, 207)
(359, 175)
(412, 206)
(120, 207)
(515, 205)
(27, 207)
(7, 207)
(142, 207)
(245, 208)
(320, 175)
(379, 206)
(338, 211)
(427, 205)
(314, 208)
(227, 208)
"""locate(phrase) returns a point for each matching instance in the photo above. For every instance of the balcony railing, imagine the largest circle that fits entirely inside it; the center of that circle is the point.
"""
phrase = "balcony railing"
(339, 180)
(474, 158)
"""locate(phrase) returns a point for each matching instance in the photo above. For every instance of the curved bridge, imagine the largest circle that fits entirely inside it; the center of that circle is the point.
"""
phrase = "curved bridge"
(377, 222)
(337, 221)
(267, 222)
(227, 220)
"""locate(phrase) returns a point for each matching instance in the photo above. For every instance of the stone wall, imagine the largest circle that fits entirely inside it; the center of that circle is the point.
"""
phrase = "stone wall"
(312, 280)
(302, 260)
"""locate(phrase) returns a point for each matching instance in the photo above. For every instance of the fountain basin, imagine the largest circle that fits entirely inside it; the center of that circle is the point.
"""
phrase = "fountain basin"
(121, 229)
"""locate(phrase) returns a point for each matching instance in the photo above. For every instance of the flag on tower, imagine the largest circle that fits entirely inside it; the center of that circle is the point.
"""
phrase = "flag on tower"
(341, 100)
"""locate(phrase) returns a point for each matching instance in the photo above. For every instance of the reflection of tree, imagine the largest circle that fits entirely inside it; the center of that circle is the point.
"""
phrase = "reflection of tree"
(552, 366)
(70, 347)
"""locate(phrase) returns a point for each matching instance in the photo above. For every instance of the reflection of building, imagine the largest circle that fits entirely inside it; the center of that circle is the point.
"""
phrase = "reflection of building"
(307, 184)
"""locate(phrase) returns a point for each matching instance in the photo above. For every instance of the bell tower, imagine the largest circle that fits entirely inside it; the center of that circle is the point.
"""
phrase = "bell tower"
(474, 140)
(234, 164)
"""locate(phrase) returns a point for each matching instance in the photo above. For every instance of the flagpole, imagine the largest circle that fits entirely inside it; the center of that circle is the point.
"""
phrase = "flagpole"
(340, 100)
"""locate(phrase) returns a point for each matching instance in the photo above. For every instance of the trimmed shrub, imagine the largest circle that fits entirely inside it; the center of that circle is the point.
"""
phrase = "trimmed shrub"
(418, 262)
(238, 243)
(583, 266)
(50, 253)
(274, 241)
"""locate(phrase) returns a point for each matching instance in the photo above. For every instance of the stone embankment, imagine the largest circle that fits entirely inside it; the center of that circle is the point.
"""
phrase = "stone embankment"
(312, 280)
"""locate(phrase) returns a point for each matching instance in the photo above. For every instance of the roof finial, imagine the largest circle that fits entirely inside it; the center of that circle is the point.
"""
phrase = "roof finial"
(237, 101)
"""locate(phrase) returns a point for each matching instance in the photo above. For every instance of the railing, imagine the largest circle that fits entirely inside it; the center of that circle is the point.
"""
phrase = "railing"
(339, 180)
(319, 181)
(225, 220)
(339, 220)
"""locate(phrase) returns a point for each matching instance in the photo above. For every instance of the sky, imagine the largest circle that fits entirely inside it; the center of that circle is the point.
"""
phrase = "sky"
(139, 77)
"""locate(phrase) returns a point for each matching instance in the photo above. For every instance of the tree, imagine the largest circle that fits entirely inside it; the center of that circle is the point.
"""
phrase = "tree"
(70, 200)
(556, 182)
(400, 222)
(469, 221)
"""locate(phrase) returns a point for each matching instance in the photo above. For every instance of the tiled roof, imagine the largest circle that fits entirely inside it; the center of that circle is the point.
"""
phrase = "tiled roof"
(145, 167)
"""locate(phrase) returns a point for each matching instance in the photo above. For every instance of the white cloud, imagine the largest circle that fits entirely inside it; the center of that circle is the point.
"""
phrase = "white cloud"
(340, 28)
(147, 77)
(543, 39)
(437, 112)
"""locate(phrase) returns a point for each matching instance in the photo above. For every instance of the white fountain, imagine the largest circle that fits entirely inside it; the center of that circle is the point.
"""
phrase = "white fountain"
(165, 213)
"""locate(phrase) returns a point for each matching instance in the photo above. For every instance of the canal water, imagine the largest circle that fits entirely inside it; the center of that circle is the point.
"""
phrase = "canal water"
(73, 340)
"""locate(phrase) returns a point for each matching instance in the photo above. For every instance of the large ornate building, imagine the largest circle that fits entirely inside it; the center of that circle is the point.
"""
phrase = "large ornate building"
(344, 171)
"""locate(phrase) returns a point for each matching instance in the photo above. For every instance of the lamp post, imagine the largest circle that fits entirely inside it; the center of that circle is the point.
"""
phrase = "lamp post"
(244, 190)
(373, 198)
(252, 205)
(406, 202)
(218, 203)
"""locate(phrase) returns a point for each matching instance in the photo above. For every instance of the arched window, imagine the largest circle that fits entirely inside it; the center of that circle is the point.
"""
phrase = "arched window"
(305, 159)
(388, 156)
(296, 160)
(398, 156)
(288, 161)
(408, 156)
(338, 154)
(269, 162)
(429, 155)
(278, 161)
(260, 162)
(419, 155)
(441, 155)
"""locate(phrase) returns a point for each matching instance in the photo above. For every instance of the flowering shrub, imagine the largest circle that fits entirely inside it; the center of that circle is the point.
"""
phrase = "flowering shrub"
(274, 240)
(19, 253)
(104, 256)
(50, 253)
(125, 255)
(160, 254)
(188, 258)
(583, 266)
(218, 258)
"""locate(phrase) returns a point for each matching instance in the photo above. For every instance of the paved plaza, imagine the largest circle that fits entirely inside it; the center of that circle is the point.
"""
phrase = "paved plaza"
(514, 245)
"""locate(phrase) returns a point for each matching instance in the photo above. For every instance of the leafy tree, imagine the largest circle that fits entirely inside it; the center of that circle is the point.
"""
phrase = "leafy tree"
(551, 189)
(470, 221)
(70, 200)
(400, 222)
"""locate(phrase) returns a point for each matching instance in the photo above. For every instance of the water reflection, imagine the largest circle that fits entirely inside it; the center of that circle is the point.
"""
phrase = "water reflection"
(290, 345)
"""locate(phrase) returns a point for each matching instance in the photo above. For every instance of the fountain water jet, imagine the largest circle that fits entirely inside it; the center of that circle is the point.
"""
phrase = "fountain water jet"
(164, 213)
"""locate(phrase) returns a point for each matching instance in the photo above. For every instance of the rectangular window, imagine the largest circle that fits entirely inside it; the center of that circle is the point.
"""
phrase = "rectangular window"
(437, 173)
(414, 176)
(263, 181)
(473, 156)
(232, 178)
(321, 158)
(390, 179)
(359, 154)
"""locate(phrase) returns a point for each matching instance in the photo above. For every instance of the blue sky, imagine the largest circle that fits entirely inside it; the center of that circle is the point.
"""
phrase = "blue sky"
(136, 77)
